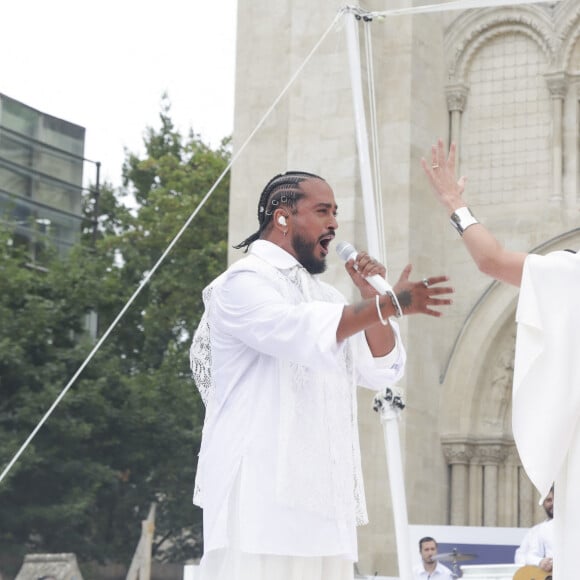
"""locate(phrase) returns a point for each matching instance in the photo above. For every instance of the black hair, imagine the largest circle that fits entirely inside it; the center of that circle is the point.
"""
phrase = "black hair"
(283, 189)
(426, 539)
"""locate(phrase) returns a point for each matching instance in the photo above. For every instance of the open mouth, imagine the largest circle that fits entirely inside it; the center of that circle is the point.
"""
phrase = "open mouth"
(325, 242)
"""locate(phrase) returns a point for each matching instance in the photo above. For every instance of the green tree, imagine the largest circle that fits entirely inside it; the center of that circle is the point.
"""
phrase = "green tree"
(128, 431)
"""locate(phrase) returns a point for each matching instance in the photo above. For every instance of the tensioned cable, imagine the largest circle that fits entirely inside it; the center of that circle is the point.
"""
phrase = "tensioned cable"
(374, 131)
(456, 5)
(177, 237)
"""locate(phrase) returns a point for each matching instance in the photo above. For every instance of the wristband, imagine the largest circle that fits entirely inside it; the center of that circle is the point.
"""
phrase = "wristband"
(462, 218)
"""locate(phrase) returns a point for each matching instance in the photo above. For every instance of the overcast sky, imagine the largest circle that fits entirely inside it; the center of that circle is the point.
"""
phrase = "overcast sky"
(105, 65)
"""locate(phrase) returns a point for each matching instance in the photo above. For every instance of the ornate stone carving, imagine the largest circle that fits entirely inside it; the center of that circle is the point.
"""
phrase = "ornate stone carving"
(502, 375)
(557, 84)
(457, 452)
(483, 452)
(512, 456)
(476, 36)
(456, 96)
(569, 32)
(491, 453)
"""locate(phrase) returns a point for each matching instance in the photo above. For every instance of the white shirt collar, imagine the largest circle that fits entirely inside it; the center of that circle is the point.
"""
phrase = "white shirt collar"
(273, 254)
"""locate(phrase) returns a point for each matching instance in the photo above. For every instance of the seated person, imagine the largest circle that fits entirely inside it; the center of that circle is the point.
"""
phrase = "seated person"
(537, 546)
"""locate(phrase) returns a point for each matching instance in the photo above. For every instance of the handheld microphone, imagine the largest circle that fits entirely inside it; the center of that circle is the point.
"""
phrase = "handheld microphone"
(347, 252)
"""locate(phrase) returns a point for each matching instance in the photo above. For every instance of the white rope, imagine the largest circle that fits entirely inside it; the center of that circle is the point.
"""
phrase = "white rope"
(149, 274)
(378, 189)
(457, 5)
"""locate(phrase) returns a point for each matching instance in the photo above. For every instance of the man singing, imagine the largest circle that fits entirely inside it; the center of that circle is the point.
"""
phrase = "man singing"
(277, 356)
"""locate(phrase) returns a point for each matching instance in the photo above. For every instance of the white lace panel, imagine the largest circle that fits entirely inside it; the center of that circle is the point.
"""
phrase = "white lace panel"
(200, 353)
(319, 463)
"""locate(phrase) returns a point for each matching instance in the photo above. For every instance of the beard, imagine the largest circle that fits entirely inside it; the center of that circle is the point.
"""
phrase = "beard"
(305, 255)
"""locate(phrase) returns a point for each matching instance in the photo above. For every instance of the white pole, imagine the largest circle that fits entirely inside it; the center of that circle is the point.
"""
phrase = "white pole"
(362, 140)
(389, 416)
(390, 422)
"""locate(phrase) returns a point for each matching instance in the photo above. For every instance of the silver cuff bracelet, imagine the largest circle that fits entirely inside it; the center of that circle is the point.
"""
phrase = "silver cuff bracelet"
(462, 218)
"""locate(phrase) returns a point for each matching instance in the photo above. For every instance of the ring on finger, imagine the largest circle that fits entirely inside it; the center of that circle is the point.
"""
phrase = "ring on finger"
(434, 165)
(425, 282)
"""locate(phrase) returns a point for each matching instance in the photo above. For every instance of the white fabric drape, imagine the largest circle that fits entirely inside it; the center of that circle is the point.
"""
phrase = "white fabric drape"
(546, 393)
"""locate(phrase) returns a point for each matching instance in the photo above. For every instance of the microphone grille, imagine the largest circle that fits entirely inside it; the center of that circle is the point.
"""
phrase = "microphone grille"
(345, 250)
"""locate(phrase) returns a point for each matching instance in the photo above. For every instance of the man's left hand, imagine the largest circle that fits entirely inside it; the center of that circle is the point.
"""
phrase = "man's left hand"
(420, 297)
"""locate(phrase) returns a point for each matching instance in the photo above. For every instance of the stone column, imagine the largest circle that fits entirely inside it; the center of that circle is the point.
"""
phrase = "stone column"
(526, 500)
(508, 500)
(456, 95)
(558, 86)
(491, 455)
(458, 456)
(490, 495)
(475, 492)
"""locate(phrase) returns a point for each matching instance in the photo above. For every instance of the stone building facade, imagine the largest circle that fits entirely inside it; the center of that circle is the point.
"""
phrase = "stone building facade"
(504, 84)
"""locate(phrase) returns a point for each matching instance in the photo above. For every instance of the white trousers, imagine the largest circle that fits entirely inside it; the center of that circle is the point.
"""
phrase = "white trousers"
(231, 563)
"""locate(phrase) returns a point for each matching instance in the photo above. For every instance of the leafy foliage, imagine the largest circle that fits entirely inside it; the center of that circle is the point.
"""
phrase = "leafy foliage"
(128, 431)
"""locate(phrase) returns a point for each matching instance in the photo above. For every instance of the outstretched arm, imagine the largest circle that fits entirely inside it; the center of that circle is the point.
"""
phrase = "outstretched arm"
(489, 255)
(421, 297)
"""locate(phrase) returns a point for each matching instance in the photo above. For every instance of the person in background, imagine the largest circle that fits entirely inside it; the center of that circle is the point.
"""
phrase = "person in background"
(430, 567)
(537, 547)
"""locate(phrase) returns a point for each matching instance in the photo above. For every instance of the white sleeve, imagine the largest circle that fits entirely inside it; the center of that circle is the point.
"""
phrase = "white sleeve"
(521, 552)
(248, 308)
(534, 552)
(379, 372)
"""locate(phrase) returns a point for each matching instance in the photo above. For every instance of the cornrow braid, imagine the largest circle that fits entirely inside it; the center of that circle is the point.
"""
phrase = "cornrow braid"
(283, 189)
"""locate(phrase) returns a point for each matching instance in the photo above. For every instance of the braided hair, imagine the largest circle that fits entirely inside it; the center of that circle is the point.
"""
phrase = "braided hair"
(283, 189)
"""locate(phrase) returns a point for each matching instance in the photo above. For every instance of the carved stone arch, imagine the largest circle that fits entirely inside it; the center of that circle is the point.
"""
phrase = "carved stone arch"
(569, 32)
(470, 32)
(485, 36)
(474, 351)
(492, 402)
(480, 354)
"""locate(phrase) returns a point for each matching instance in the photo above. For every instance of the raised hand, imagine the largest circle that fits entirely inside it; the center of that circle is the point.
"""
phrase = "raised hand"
(420, 297)
(441, 173)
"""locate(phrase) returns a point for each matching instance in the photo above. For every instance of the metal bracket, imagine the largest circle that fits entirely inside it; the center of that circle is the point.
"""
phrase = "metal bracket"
(388, 404)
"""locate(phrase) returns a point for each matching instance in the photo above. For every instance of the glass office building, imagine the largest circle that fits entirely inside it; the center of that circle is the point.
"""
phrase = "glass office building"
(41, 176)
